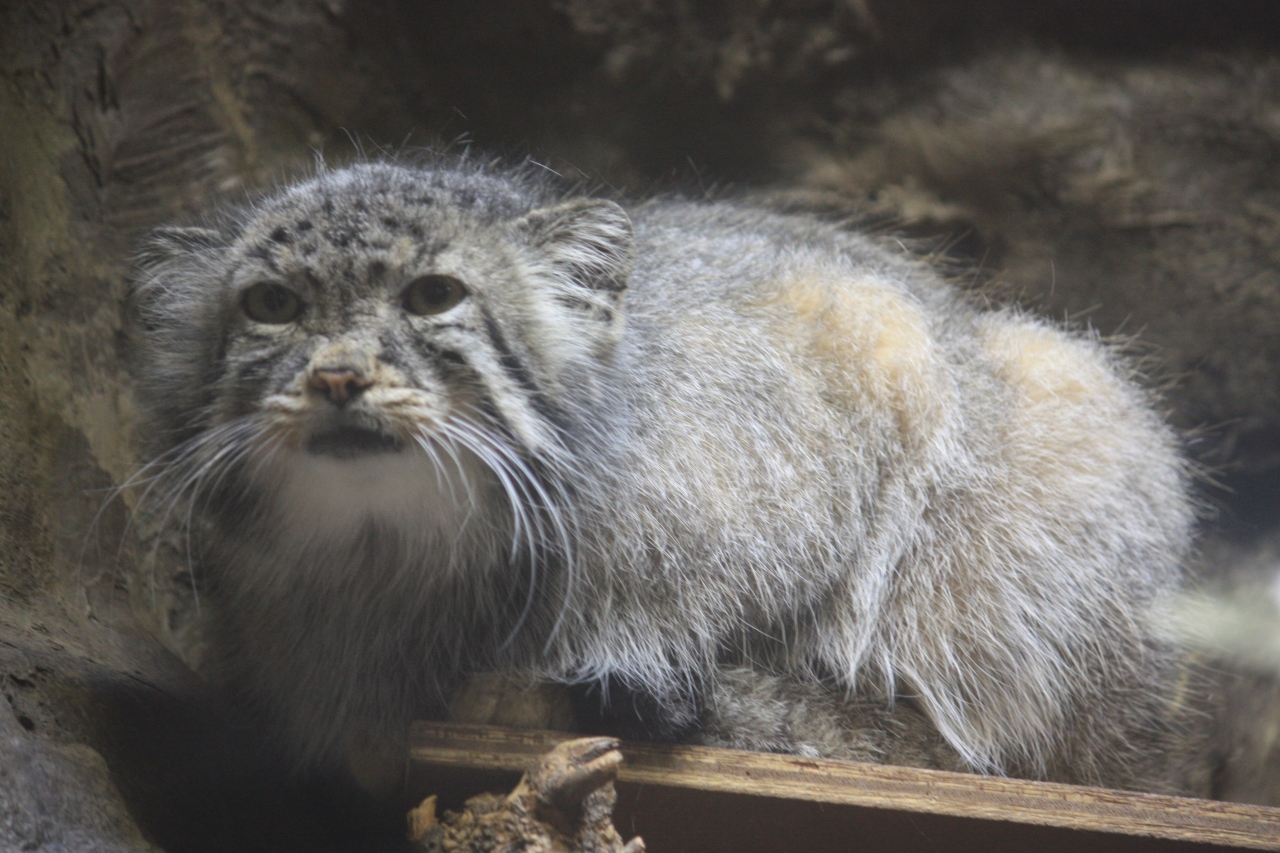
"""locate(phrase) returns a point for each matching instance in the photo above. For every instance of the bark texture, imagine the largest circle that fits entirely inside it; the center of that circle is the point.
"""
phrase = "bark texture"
(564, 804)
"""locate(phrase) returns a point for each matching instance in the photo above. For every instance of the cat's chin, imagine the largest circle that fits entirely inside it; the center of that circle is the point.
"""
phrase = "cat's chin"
(330, 499)
(351, 442)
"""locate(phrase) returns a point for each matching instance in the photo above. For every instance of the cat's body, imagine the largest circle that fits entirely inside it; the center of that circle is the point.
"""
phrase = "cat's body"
(755, 457)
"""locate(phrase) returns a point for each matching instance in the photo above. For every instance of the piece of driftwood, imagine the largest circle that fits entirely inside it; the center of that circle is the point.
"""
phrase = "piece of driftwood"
(563, 804)
(699, 798)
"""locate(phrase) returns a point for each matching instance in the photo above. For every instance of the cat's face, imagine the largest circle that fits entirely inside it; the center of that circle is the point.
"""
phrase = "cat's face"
(380, 325)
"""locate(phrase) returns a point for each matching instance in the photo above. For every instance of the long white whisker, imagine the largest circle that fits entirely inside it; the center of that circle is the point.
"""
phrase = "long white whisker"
(498, 462)
(530, 481)
(222, 463)
(523, 523)
(114, 493)
(193, 467)
(437, 466)
(434, 446)
(522, 519)
(277, 441)
(196, 473)
(448, 445)
(553, 510)
(173, 458)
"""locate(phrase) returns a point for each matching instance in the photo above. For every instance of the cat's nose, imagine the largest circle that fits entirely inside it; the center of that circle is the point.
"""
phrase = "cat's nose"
(338, 384)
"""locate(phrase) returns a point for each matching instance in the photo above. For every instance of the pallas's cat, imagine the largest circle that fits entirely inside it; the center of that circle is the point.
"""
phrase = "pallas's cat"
(757, 476)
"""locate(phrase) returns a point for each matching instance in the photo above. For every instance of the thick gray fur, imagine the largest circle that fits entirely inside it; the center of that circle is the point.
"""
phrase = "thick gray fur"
(763, 470)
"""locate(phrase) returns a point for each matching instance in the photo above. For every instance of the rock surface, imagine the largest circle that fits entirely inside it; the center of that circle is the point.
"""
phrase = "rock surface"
(59, 798)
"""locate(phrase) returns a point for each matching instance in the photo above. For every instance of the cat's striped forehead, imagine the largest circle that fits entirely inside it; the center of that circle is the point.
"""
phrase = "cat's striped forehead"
(357, 202)
(361, 221)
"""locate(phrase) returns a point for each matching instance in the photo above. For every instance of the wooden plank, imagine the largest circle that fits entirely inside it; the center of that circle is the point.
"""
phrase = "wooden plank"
(747, 776)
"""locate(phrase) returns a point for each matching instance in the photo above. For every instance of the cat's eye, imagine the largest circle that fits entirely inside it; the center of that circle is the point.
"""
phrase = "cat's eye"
(271, 303)
(433, 294)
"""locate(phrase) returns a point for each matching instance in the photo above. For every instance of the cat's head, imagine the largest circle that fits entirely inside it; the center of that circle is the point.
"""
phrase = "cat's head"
(357, 317)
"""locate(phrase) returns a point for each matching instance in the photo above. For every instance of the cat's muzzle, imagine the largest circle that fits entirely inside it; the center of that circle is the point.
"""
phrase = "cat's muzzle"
(349, 436)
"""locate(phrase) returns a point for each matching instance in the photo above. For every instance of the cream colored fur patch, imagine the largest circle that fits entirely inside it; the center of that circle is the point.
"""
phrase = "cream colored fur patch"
(873, 340)
(1044, 366)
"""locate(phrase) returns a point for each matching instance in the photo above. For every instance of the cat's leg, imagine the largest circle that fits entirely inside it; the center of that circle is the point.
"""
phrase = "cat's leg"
(752, 710)
(1159, 743)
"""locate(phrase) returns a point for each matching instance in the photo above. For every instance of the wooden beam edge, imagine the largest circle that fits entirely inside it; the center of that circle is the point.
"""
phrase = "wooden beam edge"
(873, 786)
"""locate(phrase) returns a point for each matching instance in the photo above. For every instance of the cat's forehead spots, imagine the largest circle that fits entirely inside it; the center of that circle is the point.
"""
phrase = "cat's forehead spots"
(363, 202)
(363, 220)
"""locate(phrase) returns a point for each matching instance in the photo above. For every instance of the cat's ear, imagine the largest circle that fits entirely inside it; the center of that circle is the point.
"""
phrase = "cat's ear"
(590, 239)
(165, 251)
(169, 242)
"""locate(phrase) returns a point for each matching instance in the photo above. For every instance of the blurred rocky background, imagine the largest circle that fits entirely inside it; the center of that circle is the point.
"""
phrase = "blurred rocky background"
(1113, 164)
